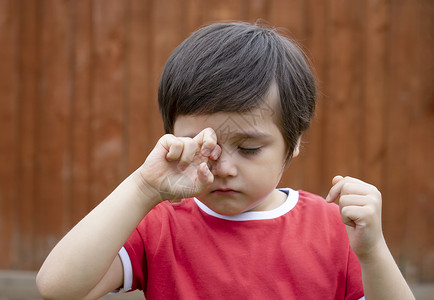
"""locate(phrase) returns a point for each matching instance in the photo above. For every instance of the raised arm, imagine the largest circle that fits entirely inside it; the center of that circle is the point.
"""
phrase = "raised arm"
(84, 264)
(360, 207)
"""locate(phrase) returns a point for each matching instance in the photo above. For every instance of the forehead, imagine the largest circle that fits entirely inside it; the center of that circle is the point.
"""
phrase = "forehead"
(258, 122)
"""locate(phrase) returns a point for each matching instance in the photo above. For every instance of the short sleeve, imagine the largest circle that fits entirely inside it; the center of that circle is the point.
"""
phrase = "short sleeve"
(134, 247)
(354, 284)
(147, 232)
(127, 270)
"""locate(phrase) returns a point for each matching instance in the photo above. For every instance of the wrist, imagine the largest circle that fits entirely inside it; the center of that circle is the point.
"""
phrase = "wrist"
(378, 252)
(149, 194)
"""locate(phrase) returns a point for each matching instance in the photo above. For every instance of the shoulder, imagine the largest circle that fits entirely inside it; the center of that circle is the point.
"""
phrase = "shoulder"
(167, 207)
(315, 202)
(164, 218)
(314, 210)
(167, 210)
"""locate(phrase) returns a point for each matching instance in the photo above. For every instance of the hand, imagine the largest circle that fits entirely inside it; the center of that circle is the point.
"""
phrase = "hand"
(178, 166)
(360, 208)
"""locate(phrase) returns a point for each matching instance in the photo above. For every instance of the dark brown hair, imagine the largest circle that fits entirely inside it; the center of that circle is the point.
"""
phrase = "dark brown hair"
(229, 67)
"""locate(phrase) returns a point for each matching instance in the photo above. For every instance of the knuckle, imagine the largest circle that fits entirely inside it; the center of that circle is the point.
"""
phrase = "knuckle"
(210, 131)
(343, 201)
(344, 210)
(189, 143)
(369, 212)
(377, 192)
(166, 138)
(177, 144)
(346, 187)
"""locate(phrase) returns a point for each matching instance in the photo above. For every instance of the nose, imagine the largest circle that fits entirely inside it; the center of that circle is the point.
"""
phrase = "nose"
(224, 166)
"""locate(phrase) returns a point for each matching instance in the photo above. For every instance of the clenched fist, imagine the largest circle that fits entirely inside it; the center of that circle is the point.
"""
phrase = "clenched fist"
(178, 166)
(360, 207)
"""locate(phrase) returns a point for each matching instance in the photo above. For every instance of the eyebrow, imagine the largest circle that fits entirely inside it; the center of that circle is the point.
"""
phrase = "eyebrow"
(238, 135)
(250, 135)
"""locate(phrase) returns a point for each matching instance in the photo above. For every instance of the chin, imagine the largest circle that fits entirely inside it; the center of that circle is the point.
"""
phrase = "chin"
(227, 211)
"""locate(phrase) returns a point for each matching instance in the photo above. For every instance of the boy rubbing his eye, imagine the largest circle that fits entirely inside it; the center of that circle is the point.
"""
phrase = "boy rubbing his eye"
(235, 99)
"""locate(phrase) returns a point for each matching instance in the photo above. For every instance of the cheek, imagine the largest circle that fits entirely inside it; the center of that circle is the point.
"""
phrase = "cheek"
(267, 171)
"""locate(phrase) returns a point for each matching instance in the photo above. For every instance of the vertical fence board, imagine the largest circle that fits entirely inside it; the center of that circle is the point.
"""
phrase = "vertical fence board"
(8, 126)
(24, 233)
(418, 262)
(53, 137)
(258, 10)
(421, 149)
(225, 10)
(375, 91)
(398, 128)
(342, 146)
(109, 34)
(289, 15)
(82, 82)
(312, 147)
(193, 15)
(139, 78)
(166, 33)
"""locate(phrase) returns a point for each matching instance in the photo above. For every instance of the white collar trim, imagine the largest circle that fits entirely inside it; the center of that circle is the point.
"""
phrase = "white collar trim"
(284, 208)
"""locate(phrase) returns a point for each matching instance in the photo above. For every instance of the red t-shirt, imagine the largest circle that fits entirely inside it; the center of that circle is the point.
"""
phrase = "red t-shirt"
(299, 250)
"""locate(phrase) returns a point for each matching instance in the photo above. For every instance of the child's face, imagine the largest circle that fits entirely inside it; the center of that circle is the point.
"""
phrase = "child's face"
(252, 160)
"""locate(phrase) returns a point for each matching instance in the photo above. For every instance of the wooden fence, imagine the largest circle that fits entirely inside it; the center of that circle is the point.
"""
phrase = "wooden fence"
(78, 87)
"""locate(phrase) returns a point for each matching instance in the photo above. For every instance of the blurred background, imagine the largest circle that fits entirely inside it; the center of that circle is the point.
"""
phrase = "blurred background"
(78, 95)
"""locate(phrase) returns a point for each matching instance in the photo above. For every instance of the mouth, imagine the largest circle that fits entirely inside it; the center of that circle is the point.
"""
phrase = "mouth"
(224, 192)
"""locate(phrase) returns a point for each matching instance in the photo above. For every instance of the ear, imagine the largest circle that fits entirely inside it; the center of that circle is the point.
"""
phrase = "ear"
(294, 154)
(297, 148)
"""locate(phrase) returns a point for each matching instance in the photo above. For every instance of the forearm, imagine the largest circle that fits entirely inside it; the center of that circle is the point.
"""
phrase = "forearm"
(83, 256)
(382, 278)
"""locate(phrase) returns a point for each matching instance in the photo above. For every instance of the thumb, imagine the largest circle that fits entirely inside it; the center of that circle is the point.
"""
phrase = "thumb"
(336, 179)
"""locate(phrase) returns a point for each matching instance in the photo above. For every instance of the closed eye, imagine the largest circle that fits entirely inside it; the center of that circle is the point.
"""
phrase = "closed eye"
(249, 151)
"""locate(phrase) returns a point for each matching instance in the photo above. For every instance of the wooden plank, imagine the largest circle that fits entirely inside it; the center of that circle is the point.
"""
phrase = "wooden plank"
(417, 248)
(82, 82)
(109, 34)
(53, 134)
(343, 134)
(258, 10)
(27, 126)
(193, 15)
(139, 83)
(224, 10)
(9, 14)
(375, 91)
(312, 154)
(422, 147)
(398, 127)
(165, 35)
(289, 15)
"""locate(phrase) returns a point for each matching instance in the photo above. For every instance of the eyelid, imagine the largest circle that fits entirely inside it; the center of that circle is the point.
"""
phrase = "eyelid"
(246, 150)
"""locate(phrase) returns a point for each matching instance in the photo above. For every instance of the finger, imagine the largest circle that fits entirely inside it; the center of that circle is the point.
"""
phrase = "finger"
(173, 146)
(190, 149)
(348, 185)
(335, 190)
(353, 200)
(357, 215)
(355, 188)
(204, 174)
(207, 139)
(336, 179)
(215, 154)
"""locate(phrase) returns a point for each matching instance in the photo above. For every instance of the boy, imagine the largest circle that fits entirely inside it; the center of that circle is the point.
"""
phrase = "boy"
(235, 99)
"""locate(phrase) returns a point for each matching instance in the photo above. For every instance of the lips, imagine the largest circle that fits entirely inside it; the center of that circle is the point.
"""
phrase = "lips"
(224, 191)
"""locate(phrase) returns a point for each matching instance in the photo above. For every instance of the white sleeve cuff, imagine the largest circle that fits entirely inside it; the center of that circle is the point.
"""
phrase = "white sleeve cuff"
(128, 271)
